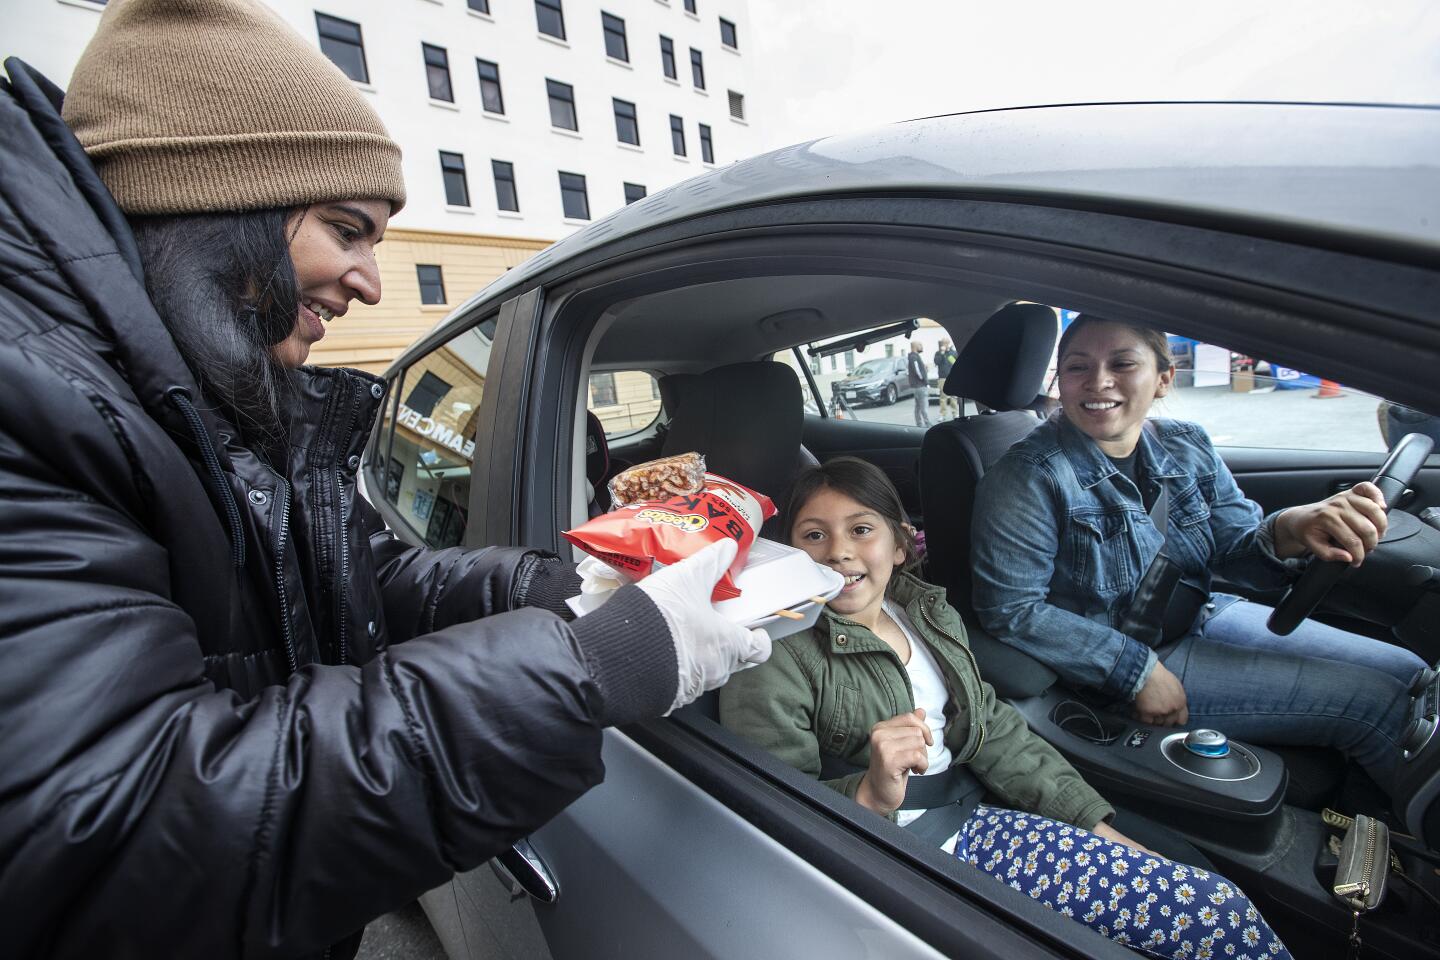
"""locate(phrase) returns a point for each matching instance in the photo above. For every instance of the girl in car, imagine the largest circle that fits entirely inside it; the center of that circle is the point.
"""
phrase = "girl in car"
(240, 717)
(1063, 535)
(883, 691)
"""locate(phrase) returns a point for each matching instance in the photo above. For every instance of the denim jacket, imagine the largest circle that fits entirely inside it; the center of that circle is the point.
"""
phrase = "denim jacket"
(1059, 547)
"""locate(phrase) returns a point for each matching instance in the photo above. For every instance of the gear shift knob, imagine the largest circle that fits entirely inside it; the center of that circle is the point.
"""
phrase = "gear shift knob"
(1207, 743)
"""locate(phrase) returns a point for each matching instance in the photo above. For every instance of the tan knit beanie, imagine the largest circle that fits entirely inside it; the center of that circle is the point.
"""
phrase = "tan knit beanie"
(192, 106)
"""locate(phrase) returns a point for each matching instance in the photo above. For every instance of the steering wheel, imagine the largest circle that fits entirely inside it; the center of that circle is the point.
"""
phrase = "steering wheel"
(1405, 460)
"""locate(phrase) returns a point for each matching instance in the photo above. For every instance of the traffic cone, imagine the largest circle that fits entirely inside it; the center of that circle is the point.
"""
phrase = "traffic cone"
(1328, 389)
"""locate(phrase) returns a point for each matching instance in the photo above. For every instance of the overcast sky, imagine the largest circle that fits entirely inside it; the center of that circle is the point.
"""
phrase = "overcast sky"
(830, 66)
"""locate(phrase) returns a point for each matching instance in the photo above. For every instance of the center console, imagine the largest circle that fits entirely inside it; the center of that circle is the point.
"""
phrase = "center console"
(1238, 786)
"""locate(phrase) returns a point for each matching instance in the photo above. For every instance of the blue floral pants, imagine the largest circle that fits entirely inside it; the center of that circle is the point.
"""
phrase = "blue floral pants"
(1148, 903)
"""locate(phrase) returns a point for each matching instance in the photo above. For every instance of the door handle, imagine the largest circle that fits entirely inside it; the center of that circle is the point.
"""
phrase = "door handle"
(521, 866)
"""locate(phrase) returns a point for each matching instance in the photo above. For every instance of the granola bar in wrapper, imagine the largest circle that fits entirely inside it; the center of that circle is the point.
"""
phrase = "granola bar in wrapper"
(676, 476)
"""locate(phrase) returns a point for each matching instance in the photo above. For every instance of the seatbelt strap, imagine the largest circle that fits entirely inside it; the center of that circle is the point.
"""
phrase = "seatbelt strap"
(1160, 513)
(948, 798)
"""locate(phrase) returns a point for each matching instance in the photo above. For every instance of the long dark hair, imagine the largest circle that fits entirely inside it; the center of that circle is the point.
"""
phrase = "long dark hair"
(862, 482)
(226, 288)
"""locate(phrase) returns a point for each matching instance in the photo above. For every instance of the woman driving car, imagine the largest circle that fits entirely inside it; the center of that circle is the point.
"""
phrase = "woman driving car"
(1068, 527)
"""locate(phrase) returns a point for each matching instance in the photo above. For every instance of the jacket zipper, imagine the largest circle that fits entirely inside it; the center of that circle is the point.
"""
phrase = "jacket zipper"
(341, 606)
(975, 718)
(283, 491)
(340, 595)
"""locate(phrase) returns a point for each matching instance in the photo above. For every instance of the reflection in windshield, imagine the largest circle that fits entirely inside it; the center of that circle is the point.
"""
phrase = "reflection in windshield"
(870, 368)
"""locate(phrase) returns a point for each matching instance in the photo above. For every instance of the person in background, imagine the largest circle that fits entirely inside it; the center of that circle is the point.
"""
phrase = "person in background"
(882, 695)
(240, 717)
(919, 379)
(1063, 535)
(945, 358)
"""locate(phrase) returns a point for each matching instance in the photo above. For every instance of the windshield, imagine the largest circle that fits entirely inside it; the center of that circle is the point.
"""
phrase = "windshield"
(871, 368)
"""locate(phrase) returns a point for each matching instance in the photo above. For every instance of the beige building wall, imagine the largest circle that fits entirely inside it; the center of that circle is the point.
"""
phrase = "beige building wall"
(371, 337)
(637, 402)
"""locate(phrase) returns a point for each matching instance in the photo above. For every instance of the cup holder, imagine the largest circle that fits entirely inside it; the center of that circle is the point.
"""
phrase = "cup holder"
(1081, 720)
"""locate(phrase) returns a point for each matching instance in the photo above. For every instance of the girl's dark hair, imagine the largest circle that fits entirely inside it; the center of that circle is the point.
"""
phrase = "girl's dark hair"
(862, 482)
(1154, 339)
(226, 288)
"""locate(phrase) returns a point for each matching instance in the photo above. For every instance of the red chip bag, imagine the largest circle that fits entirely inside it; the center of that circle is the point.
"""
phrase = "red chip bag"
(633, 538)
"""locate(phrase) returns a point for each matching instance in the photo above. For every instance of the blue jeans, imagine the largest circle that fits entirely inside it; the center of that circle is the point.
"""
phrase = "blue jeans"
(1317, 687)
(1148, 903)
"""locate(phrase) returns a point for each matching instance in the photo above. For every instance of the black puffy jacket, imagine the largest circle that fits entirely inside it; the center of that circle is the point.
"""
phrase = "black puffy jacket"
(212, 741)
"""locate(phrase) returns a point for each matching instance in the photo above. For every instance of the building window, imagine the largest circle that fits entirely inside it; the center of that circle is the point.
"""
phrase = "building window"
(480, 6)
(677, 135)
(549, 18)
(452, 168)
(615, 45)
(506, 196)
(737, 104)
(727, 34)
(562, 105)
(627, 126)
(573, 197)
(340, 40)
(437, 73)
(690, 6)
(707, 147)
(667, 58)
(490, 97)
(697, 69)
(633, 192)
(428, 392)
(602, 390)
(432, 283)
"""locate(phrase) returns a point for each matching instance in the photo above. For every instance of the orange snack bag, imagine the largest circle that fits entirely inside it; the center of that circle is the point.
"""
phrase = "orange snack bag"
(634, 537)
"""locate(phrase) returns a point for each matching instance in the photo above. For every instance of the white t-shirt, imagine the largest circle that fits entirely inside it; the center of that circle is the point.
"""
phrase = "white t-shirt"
(928, 685)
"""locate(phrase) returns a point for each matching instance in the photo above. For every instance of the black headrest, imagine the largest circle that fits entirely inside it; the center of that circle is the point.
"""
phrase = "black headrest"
(672, 389)
(1003, 364)
(746, 418)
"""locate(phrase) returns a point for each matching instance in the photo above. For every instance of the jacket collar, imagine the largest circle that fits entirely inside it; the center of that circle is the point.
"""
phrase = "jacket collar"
(842, 635)
(334, 411)
(1091, 465)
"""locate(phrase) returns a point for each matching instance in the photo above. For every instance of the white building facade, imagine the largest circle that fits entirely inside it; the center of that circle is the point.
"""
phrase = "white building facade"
(520, 121)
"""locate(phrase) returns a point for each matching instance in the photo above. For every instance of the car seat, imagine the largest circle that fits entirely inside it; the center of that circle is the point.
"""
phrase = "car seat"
(746, 418)
(597, 465)
(1002, 366)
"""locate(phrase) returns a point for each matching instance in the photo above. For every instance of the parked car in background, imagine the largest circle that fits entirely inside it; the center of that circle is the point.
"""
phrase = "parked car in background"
(879, 381)
(1309, 234)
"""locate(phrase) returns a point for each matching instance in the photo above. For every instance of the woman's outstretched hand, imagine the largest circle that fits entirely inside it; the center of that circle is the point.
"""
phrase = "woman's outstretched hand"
(1345, 527)
(1162, 700)
(708, 648)
(897, 749)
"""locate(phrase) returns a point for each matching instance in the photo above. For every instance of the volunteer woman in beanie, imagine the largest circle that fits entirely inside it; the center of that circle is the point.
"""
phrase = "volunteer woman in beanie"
(214, 743)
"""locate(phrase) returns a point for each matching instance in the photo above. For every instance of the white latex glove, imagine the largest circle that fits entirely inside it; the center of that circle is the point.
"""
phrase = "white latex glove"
(708, 647)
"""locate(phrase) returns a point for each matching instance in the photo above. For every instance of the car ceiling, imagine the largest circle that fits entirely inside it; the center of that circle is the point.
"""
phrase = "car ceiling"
(694, 328)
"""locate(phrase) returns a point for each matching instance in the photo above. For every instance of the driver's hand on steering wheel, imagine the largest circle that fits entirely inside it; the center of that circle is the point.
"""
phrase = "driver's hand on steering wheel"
(1161, 702)
(1345, 527)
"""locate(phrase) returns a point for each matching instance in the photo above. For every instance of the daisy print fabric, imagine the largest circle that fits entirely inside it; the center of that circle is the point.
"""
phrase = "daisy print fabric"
(1152, 905)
